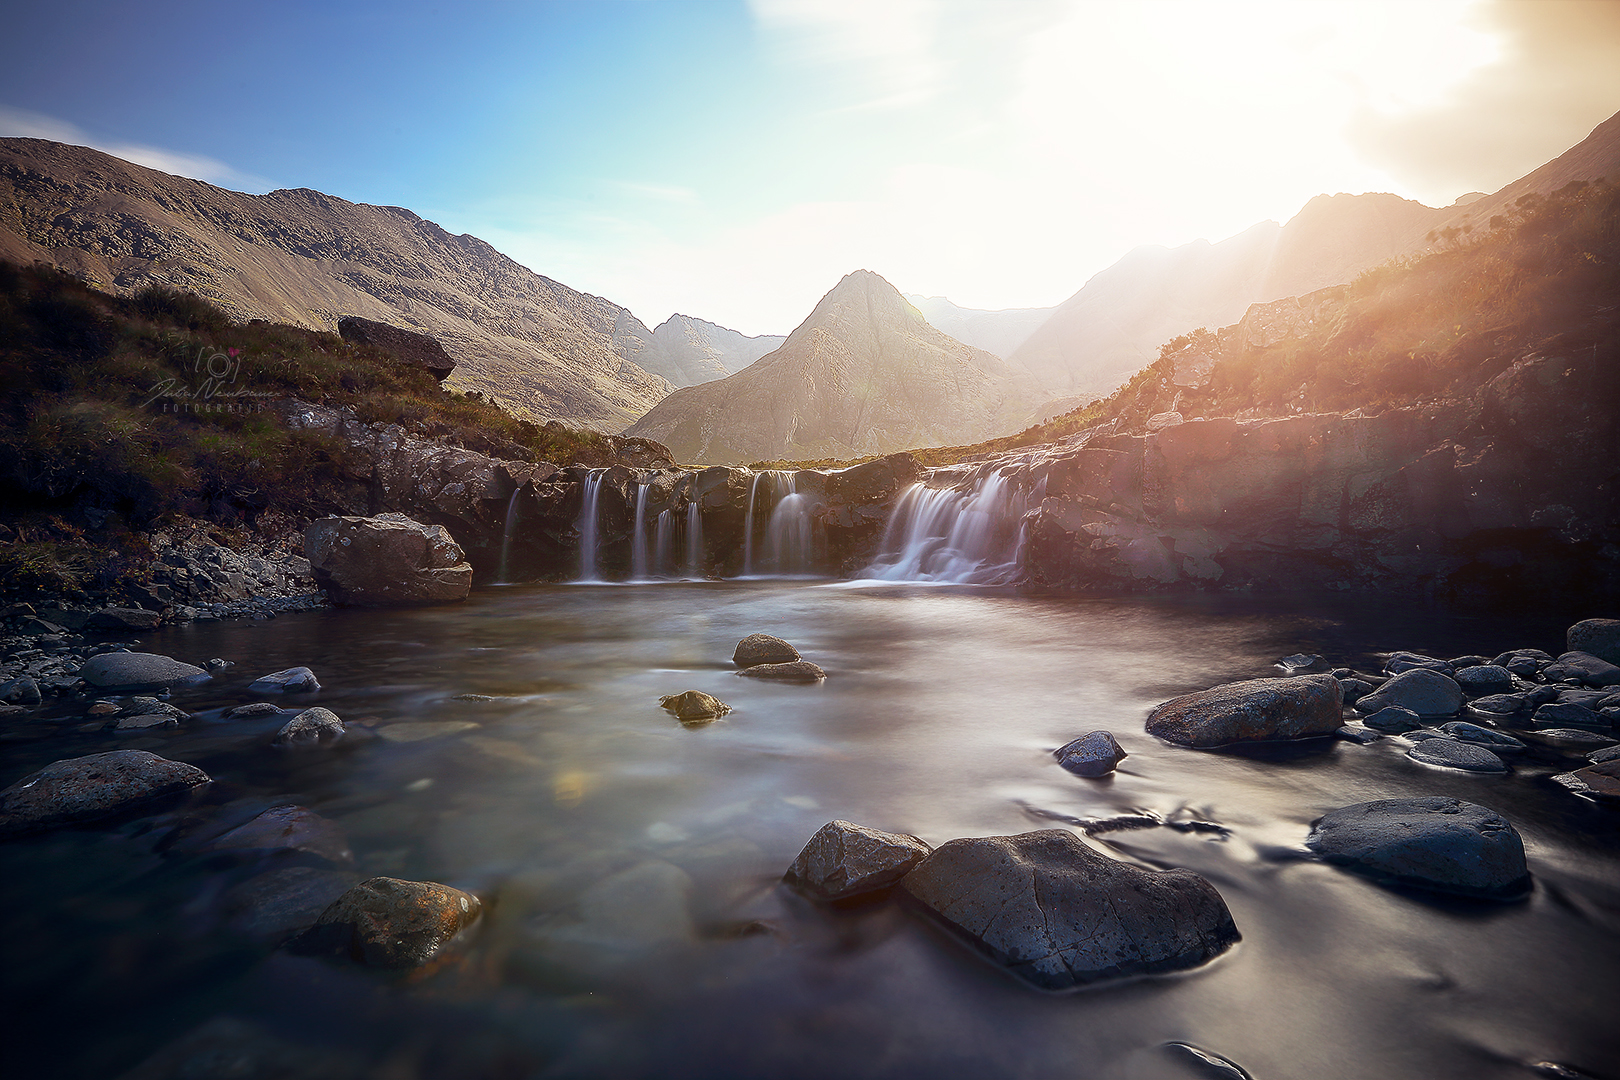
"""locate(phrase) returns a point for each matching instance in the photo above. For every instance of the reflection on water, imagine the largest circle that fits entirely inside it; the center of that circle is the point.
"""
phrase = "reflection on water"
(634, 925)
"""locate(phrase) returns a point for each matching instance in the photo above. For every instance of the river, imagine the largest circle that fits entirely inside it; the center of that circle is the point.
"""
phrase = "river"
(635, 924)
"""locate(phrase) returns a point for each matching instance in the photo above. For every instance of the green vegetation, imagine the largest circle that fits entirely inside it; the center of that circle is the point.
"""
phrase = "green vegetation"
(121, 413)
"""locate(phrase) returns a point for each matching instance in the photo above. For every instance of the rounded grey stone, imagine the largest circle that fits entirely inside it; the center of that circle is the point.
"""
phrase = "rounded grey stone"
(1597, 637)
(312, 727)
(1436, 843)
(1484, 679)
(797, 671)
(133, 669)
(92, 787)
(758, 649)
(845, 860)
(1452, 754)
(1093, 754)
(287, 681)
(1425, 692)
(1393, 720)
(1291, 708)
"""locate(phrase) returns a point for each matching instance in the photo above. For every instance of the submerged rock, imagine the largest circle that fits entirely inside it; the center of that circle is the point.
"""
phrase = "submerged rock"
(281, 903)
(287, 828)
(694, 706)
(1093, 754)
(1436, 843)
(1577, 739)
(257, 708)
(1424, 691)
(312, 727)
(845, 860)
(388, 923)
(295, 680)
(1058, 914)
(756, 649)
(798, 671)
(1290, 708)
(386, 560)
(1596, 637)
(92, 787)
(121, 670)
(1453, 754)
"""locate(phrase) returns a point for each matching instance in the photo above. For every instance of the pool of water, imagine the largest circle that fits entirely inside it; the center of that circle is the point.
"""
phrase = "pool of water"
(636, 926)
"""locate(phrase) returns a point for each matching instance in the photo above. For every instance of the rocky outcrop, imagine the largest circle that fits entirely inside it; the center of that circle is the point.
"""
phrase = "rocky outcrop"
(864, 374)
(1442, 844)
(384, 561)
(1058, 914)
(1293, 708)
(91, 788)
(306, 258)
(405, 344)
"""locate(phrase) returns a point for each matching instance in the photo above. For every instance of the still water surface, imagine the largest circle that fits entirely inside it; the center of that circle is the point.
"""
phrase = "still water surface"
(635, 926)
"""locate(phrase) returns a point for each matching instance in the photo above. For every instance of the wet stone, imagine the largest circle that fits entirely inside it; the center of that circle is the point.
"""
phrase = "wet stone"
(1410, 661)
(1600, 781)
(1596, 637)
(1289, 708)
(1356, 733)
(756, 649)
(388, 923)
(1583, 668)
(1484, 679)
(798, 671)
(1436, 843)
(1499, 704)
(132, 669)
(287, 681)
(1577, 739)
(257, 708)
(694, 706)
(1093, 754)
(1496, 741)
(1424, 691)
(844, 860)
(1568, 714)
(91, 788)
(1393, 720)
(312, 727)
(288, 828)
(1452, 754)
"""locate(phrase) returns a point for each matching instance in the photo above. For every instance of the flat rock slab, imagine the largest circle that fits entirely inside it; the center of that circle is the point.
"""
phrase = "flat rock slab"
(845, 860)
(92, 787)
(694, 707)
(1423, 691)
(797, 671)
(1293, 708)
(1600, 781)
(1436, 843)
(1450, 753)
(1093, 754)
(124, 619)
(387, 923)
(1499, 742)
(1059, 915)
(119, 670)
(756, 649)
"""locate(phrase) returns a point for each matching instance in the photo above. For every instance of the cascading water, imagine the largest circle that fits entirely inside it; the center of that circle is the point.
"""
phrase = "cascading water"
(694, 540)
(638, 537)
(504, 576)
(588, 526)
(664, 547)
(948, 535)
(787, 529)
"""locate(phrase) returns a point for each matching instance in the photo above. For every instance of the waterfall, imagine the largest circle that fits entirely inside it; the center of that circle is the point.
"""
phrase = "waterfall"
(638, 537)
(587, 525)
(694, 540)
(787, 528)
(664, 549)
(949, 535)
(503, 577)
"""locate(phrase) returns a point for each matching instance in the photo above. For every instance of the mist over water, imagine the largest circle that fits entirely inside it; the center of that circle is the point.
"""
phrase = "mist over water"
(635, 925)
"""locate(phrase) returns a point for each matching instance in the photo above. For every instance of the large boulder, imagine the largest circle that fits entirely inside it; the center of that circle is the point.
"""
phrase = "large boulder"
(1435, 843)
(386, 560)
(1293, 708)
(1425, 692)
(405, 344)
(92, 787)
(388, 923)
(845, 860)
(128, 670)
(1058, 914)
(1583, 668)
(756, 649)
(1596, 637)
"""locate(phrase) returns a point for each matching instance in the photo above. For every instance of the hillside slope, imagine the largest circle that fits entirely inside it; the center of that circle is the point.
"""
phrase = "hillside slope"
(864, 374)
(305, 258)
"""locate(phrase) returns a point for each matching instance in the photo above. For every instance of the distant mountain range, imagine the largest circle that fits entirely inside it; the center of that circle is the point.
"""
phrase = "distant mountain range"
(864, 374)
(688, 351)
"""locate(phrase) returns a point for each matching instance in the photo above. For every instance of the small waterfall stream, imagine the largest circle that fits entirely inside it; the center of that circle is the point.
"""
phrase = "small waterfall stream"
(588, 526)
(664, 547)
(694, 540)
(638, 537)
(783, 516)
(504, 576)
(950, 535)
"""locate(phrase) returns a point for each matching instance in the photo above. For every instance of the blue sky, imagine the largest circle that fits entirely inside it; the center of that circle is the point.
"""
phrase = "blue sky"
(732, 160)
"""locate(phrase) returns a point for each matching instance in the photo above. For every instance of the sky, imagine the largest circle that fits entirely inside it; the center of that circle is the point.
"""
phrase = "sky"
(733, 160)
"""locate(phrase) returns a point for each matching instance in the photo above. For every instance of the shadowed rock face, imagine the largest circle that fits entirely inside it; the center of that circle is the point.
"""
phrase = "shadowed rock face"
(305, 258)
(405, 344)
(864, 374)
(1057, 913)
(1294, 708)
(386, 560)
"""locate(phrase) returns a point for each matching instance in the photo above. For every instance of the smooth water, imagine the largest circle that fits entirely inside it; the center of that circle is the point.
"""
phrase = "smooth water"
(635, 924)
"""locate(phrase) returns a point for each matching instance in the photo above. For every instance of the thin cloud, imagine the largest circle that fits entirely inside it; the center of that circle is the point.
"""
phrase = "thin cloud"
(22, 123)
(658, 192)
